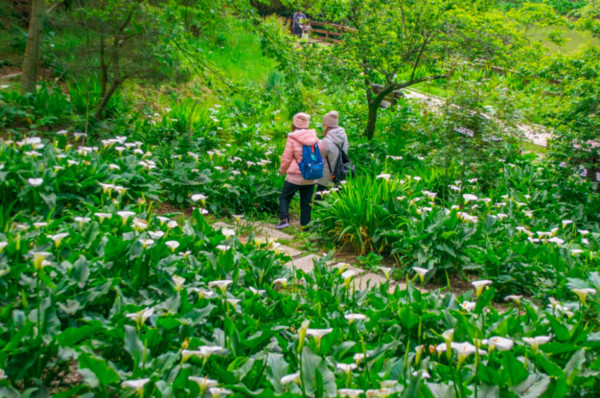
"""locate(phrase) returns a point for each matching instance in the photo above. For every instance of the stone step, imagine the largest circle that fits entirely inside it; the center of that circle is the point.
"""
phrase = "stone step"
(305, 263)
(290, 251)
(346, 267)
(220, 225)
(271, 232)
(368, 281)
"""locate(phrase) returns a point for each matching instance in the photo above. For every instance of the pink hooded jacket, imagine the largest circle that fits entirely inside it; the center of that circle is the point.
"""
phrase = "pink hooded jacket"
(292, 155)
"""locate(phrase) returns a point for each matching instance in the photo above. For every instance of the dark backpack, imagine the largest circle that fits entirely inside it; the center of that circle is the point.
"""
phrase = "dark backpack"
(343, 166)
(311, 165)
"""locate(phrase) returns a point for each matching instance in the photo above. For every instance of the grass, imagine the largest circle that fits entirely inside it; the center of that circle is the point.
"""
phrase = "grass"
(527, 146)
(238, 55)
(575, 40)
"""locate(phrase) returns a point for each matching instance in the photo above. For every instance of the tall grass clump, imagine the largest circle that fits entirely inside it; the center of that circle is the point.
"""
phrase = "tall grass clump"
(354, 214)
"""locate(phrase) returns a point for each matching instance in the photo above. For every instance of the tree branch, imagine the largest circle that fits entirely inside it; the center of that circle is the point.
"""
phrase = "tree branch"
(206, 66)
(425, 40)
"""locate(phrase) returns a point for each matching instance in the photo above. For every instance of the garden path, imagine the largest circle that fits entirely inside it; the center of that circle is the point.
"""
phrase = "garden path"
(305, 261)
(536, 134)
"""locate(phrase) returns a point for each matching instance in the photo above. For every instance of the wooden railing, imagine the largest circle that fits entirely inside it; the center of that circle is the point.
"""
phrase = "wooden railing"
(326, 31)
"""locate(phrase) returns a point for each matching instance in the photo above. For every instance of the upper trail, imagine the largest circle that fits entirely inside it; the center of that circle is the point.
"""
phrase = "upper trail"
(536, 134)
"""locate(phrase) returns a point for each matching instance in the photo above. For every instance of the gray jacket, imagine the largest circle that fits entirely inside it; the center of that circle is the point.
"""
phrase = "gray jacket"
(328, 149)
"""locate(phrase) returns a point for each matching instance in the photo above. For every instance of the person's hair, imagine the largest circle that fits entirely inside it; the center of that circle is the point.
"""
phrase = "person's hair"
(294, 128)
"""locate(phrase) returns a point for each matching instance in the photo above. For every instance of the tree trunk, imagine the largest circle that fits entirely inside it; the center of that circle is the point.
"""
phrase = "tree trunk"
(372, 121)
(111, 90)
(103, 69)
(374, 103)
(32, 51)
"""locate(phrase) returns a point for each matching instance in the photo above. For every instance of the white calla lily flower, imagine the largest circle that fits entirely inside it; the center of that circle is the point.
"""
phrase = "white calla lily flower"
(137, 385)
(178, 281)
(480, 285)
(156, 234)
(583, 293)
(535, 342)
(280, 281)
(35, 182)
(199, 198)
(386, 271)
(217, 392)
(57, 239)
(146, 242)
(227, 232)
(203, 383)
(256, 291)
(346, 367)
(355, 317)
(470, 197)
(38, 258)
(125, 215)
(421, 272)
(500, 343)
(350, 392)
(220, 284)
(141, 317)
(464, 350)
(565, 223)
(172, 244)
(103, 216)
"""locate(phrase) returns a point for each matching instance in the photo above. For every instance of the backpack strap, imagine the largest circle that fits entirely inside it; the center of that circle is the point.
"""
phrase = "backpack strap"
(330, 170)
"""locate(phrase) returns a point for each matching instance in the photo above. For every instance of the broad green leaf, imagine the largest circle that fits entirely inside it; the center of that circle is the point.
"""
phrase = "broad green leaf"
(104, 371)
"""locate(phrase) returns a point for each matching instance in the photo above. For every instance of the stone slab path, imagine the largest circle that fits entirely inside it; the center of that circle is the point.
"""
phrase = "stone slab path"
(306, 262)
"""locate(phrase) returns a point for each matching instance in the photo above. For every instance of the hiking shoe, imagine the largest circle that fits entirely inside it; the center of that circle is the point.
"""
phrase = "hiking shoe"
(282, 224)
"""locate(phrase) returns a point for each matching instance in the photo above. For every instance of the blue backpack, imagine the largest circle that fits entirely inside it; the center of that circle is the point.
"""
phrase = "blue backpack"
(311, 165)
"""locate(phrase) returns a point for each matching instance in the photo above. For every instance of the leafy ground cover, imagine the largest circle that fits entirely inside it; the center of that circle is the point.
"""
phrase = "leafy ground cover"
(102, 294)
(528, 233)
(99, 288)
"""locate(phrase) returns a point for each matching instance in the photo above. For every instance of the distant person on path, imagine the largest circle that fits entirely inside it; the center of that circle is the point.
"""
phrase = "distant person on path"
(292, 156)
(298, 26)
(335, 136)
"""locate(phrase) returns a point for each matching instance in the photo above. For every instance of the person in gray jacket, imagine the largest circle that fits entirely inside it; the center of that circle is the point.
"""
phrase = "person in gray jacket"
(335, 136)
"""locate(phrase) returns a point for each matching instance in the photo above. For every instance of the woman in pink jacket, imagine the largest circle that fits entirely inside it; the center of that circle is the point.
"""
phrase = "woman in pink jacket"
(292, 156)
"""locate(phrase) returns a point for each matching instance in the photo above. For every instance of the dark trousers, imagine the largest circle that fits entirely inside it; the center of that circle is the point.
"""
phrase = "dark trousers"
(288, 192)
(298, 31)
(320, 188)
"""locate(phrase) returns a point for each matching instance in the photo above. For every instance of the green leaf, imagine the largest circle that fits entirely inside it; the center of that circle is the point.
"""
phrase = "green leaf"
(324, 381)
(81, 270)
(574, 365)
(102, 369)
(549, 367)
(133, 345)
(515, 368)
(70, 337)
(533, 387)
(487, 391)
